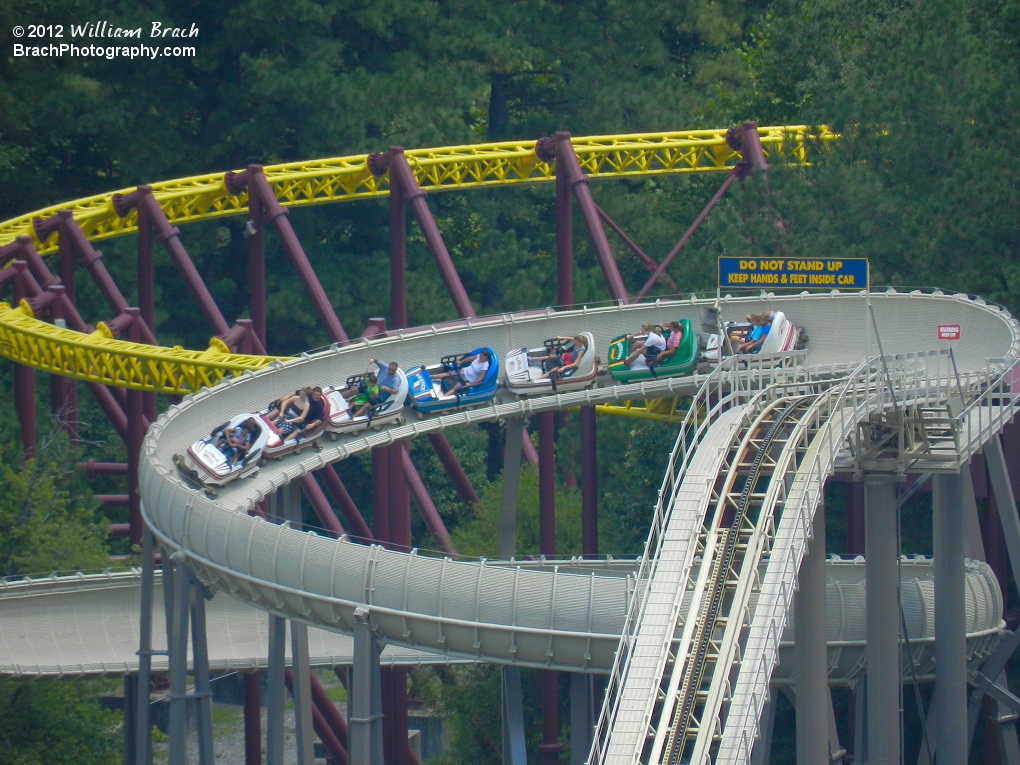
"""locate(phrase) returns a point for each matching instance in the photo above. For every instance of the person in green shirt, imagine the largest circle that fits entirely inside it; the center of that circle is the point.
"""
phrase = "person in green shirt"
(367, 397)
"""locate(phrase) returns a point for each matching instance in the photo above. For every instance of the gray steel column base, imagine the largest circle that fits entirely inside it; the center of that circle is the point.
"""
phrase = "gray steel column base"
(883, 622)
(511, 484)
(813, 699)
(130, 719)
(276, 693)
(142, 725)
(203, 691)
(860, 731)
(177, 626)
(582, 717)
(515, 750)
(365, 723)
(950, 618)
(302, 693)
(289, 507)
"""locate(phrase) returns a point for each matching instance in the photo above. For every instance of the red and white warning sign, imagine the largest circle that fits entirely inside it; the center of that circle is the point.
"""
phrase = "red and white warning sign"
(949, 331)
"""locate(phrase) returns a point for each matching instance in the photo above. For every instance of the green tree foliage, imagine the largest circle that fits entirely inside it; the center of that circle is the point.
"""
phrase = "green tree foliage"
(57, 723)
(924, 178)
(50, 522)
(43, 527)
(923, 181)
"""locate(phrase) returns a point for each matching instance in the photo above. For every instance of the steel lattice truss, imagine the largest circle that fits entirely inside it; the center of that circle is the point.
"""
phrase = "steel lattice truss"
(101, 359)
(202, 197)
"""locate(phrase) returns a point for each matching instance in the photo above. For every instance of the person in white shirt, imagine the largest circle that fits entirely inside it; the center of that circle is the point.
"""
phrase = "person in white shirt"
(651, 346)
(471, 372)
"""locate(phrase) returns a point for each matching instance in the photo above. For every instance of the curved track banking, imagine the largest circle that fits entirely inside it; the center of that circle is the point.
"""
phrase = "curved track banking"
(87, 625)
(569, 616)
(463, 609)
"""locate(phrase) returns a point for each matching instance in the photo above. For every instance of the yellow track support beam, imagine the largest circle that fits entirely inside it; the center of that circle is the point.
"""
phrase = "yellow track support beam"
(454, 167)
(99, 358)
(671, 409)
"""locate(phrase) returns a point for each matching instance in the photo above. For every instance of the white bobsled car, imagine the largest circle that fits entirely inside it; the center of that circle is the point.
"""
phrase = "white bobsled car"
(783, 336)
(527, 368)
(208, 462)
(340, 419)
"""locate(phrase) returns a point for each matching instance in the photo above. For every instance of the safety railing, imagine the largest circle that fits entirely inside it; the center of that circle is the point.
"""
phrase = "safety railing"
(736, 380)
(924, 379)
(991, 410)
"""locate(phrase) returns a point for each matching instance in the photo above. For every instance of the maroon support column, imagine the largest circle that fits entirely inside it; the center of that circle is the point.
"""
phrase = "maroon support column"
(259, 190)
(257, 269)
(564, 238)
(146, 295)
(65, 265)
(146, 273)
(252, 720)
(399, 499)
(578, 182)
(398, 250)
(661, 268)
(427, 508)
(589, 485)
(321, 507)
(24, 392)
(136, 434)
(453, 469)
(67, 228)
(550, 746)
(63, 390)
(380, 495)
(169, 237)
(412, 193)
(343, 500)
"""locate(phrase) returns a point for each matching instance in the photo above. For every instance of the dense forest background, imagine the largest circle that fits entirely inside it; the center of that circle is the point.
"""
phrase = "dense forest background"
(924, 182)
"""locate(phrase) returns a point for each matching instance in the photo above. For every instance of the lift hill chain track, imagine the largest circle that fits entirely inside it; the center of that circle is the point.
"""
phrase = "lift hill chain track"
(723, 552)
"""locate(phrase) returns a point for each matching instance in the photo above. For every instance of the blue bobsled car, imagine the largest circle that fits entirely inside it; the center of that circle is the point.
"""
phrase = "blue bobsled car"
(457, 381)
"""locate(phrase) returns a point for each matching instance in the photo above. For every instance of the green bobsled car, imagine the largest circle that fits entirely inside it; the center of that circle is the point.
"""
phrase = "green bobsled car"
(682, 362)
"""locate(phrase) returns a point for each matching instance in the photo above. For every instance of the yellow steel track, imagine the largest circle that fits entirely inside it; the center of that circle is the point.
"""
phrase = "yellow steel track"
(101, 359)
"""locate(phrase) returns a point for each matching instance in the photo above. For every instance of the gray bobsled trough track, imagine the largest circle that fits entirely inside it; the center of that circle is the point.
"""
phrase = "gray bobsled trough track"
(632, 619)
(486, 612)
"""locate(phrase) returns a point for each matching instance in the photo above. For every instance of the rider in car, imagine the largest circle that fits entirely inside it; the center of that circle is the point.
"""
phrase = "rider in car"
(569, 360)
(235, 442)
(312, 418)
(676, 334)
(387, 379)
(366, 397)
(761, 323)
(471, 371)
(289, 410)
(651, 346)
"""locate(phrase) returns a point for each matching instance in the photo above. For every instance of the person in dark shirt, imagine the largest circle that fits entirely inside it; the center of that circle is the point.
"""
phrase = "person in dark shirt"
(313, 417)
(234, 443)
